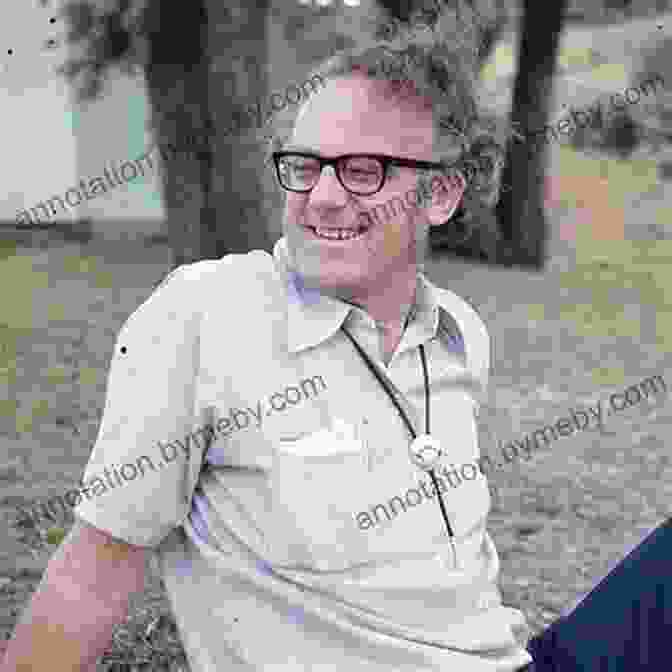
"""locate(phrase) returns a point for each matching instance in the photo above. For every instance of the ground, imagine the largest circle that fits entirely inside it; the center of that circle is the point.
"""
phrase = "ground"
(593, 323)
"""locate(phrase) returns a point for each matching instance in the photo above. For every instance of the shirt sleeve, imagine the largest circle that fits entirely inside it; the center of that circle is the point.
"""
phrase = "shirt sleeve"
(145, 461)
(483, 363)
(475, 341)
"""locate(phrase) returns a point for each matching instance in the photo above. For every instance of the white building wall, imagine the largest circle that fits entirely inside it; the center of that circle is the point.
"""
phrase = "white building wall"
(50, 143)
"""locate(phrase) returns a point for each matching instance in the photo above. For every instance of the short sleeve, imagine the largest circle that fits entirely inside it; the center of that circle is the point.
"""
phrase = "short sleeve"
(478, 357)
(145, 462)
(475, 340)
(486, 371)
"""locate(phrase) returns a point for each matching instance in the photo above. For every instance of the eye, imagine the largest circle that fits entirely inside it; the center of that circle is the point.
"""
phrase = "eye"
(300, 164)
(300, 167)
(363, 171)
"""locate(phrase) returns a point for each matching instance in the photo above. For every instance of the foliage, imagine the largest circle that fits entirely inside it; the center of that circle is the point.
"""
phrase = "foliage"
(107, 33)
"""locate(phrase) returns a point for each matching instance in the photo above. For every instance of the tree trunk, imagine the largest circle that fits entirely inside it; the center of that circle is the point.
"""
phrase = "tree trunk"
(520, 210)
(238, 91)
(188, 97)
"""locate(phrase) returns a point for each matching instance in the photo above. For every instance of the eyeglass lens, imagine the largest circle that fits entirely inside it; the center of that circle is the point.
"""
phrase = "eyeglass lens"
(358, 174)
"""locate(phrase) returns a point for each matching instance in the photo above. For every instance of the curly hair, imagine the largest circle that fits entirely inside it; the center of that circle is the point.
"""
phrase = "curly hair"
(437, 61)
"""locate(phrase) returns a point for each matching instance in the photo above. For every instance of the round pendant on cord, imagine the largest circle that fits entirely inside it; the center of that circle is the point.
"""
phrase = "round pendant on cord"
(425, 452)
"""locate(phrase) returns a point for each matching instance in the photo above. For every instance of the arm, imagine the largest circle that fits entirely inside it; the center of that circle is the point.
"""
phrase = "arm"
(84, 593)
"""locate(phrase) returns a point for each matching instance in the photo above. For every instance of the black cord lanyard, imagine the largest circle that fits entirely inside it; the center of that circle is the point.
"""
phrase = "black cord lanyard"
(406, 420)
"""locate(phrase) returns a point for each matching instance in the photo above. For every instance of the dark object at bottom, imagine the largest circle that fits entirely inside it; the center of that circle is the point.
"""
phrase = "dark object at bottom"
(623, 624)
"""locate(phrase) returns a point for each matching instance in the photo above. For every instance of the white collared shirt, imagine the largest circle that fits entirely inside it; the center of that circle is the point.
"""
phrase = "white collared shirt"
(291, 528)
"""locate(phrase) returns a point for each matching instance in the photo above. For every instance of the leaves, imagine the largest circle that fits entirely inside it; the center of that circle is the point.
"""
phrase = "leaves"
(113, 34)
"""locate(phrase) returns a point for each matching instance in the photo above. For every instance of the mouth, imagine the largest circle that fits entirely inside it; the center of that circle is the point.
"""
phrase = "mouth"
(336, 235)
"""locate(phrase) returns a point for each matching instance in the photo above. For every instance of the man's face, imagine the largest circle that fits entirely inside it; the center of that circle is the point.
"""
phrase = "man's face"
(348, 116)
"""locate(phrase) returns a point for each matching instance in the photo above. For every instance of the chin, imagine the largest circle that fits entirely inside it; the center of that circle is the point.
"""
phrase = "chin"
(337, 279)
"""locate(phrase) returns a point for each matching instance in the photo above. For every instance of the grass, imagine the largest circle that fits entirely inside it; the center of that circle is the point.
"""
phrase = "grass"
(608, 377)
(502, 63)
(604, 265)
(16, 306)
(87, 265)
(640, 265)
(17, 320)
(614, 74)
(620, 179)
(7, 249)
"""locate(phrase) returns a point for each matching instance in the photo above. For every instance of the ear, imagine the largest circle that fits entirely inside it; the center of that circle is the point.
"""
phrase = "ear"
(446, 195)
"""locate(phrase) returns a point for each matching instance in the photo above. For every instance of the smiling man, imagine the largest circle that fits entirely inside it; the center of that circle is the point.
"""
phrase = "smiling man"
(258, 533)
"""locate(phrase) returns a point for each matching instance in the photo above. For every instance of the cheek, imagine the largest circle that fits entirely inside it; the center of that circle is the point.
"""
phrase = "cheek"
(393, 239)
(295, 206)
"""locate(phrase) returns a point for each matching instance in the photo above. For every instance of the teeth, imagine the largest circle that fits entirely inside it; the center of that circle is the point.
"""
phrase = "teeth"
(338, 234)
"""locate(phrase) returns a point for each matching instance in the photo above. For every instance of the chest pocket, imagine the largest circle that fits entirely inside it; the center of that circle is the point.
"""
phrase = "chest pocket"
(317, 481)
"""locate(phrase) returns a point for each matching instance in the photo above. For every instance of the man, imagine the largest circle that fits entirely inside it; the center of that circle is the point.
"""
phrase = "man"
(304, 537)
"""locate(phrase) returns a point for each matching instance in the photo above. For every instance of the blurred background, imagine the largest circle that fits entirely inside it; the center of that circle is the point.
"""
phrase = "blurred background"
(574, 284)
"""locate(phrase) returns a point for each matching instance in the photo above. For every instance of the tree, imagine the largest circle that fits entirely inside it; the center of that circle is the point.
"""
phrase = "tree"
(520, 211)
(200, 62)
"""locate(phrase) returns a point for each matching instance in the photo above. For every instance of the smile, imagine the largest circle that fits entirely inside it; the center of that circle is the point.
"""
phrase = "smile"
(338, 235)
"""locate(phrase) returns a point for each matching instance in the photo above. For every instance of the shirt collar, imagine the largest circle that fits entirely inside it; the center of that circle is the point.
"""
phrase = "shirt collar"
(313, 317)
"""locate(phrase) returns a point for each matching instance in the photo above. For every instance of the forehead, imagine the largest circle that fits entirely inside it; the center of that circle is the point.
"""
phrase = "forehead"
(351, 115)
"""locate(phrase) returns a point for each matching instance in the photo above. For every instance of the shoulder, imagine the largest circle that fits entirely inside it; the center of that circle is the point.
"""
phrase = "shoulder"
(184, 294)
(467, 316)
(471, 326)
(200, 271)
(197, 281)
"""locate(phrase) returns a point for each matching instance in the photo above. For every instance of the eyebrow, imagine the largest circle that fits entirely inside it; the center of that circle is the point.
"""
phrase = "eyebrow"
(310, 150)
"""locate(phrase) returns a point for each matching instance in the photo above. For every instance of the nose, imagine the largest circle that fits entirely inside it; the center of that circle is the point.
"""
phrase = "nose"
(328, 191)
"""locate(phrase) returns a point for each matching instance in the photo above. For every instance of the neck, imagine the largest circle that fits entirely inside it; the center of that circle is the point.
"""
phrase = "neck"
(389, 305)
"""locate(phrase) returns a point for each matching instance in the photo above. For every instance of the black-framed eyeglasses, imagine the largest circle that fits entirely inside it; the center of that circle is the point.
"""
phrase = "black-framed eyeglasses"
(359, 174)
